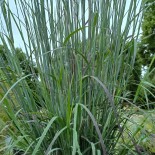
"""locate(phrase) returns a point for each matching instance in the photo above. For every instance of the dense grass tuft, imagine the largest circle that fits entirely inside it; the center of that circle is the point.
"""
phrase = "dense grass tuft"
(83, 62)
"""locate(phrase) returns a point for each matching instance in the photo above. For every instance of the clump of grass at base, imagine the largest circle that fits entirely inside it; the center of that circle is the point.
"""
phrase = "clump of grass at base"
(79, 49)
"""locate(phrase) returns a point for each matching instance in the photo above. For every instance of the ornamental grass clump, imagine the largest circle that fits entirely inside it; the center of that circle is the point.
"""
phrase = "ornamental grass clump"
(70, 100)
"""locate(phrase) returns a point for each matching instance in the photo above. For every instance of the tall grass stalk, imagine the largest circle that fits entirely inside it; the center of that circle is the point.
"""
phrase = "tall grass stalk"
(79, 48)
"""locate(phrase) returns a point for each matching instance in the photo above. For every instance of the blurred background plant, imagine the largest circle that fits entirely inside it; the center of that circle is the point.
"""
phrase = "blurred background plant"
(146, 59)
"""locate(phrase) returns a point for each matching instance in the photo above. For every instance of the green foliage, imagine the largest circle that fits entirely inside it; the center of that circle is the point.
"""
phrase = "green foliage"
(2, 53)
(135, 77)
(142, 126)
(147, 55)
(83, 68)
(147, 48)
(142, 94)
(27, 67)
